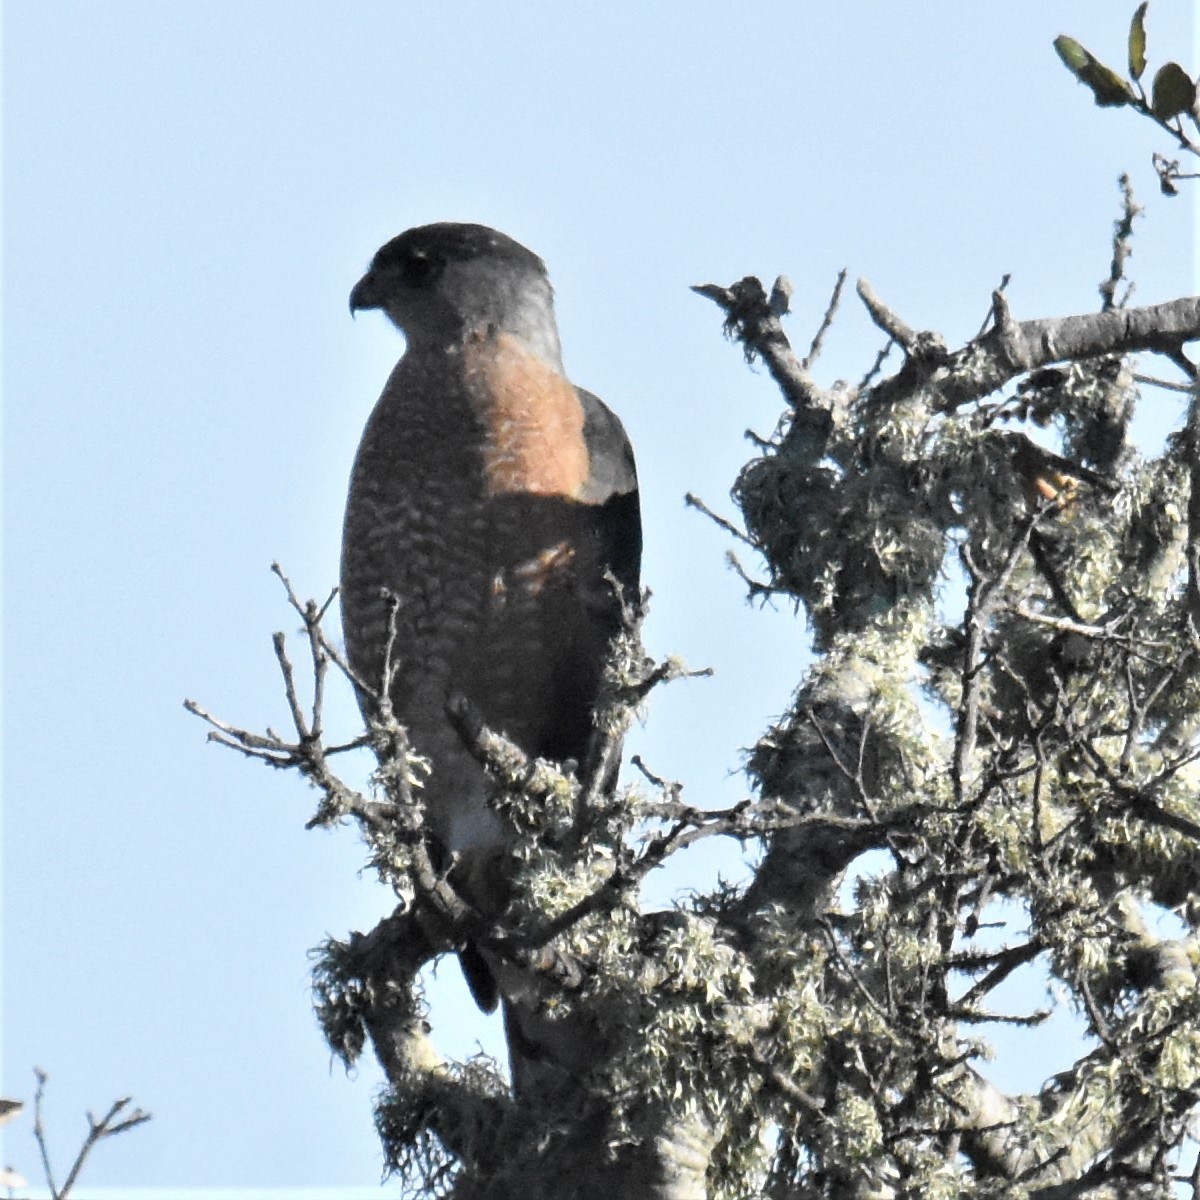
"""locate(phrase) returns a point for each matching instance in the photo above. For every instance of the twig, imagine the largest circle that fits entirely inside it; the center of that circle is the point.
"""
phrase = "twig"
(269, 747)
(1106, 633)
(289, 685)
(877, 366)
(39, 1132)
(856, 776)
(694, 501)
(666, 671)
(670, 787)
(1009, 960)
(753, 321)
(108, 1126)
(1040, 553)
(755, 587)
(1099, 1024)
(826, 321)
(313, 618)
(1121, 248)
(1165, 384)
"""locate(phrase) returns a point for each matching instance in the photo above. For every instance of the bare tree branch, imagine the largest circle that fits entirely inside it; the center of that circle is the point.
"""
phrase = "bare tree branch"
(109, 1125)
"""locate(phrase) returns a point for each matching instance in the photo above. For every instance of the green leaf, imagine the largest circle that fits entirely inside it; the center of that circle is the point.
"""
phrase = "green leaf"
(1173, 92)
(1072, 53)
(1109, 90)
(1137, 41)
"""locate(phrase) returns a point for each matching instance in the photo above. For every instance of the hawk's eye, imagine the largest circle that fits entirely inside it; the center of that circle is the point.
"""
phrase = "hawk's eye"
(418, 267)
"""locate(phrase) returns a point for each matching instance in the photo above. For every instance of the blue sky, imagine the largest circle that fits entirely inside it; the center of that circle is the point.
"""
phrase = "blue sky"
(190, 191)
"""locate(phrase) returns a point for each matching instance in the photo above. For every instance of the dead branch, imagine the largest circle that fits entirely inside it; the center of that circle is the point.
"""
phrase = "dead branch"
(1011, 348)
(109, 1125)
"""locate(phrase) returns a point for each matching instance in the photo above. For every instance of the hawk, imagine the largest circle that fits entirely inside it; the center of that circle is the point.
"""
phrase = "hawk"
(497, 503)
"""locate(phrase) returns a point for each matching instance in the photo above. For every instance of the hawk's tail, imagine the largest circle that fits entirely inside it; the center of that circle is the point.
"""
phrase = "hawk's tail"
(479, 978)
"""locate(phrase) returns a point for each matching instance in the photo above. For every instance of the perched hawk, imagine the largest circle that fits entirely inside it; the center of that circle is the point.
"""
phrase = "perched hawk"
(497, 502)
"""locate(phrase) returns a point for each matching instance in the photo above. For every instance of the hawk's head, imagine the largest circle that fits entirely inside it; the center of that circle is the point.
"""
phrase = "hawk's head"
(441, 283)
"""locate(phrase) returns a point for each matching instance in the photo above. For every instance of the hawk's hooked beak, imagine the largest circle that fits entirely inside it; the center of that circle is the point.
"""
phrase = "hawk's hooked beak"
(365, 294)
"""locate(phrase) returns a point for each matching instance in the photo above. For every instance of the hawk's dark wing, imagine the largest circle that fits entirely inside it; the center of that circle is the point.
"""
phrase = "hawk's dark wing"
(612, 483)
